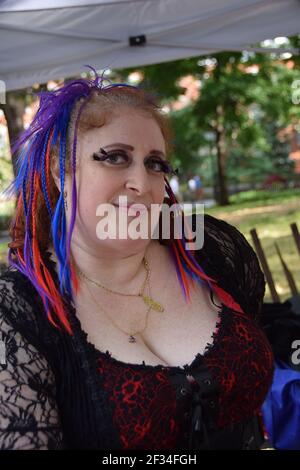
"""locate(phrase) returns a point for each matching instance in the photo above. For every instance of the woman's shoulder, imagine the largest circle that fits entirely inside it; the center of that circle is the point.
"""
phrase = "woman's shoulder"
(227, 256)
(23, 319)
(18, 303)
(225, 239)
(15, 289)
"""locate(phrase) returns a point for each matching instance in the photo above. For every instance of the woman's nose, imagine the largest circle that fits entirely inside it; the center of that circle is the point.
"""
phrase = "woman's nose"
(138, 179)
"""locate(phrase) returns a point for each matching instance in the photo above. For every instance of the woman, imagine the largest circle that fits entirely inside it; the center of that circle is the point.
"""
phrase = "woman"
(122, 342)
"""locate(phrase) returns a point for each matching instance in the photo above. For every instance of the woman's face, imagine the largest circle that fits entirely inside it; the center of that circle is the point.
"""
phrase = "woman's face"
(127, 172)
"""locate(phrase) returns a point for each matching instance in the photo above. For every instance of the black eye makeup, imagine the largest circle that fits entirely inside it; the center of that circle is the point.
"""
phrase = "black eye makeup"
(119, 158)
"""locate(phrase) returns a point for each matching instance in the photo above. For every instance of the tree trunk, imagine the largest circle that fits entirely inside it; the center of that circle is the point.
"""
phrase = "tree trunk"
(13, 111)
(223, 198)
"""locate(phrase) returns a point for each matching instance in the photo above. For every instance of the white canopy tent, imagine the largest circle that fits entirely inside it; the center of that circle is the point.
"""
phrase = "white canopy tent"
(54, 39)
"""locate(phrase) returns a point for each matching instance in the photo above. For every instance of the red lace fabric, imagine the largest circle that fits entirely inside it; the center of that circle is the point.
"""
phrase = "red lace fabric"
(145, 405)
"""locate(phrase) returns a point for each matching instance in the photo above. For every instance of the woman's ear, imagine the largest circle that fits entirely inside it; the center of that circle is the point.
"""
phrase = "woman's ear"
(54, 168)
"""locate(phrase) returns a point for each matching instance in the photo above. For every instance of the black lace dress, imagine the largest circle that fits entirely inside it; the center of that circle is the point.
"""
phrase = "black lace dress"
(60, 392)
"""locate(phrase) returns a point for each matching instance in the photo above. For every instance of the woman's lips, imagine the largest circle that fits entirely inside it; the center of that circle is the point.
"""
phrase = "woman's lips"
(136, 208)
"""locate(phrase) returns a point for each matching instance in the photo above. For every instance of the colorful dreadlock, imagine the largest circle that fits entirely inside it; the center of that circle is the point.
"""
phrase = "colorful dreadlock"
(48, 128)
(184, 260)
(186, 263)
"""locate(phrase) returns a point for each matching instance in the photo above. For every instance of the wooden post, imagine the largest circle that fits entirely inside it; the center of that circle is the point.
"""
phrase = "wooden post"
(264, 264)
(296, 235)
(287, 272)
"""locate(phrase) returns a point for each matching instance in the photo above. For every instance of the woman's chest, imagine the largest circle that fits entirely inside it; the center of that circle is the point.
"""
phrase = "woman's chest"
(171, 338)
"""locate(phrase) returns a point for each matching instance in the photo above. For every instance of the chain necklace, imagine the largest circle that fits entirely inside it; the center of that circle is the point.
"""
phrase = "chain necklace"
(131, 336)
(146, 298)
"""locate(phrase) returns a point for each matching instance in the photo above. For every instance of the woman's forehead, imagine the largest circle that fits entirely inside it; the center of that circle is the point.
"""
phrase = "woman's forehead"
(129, 130)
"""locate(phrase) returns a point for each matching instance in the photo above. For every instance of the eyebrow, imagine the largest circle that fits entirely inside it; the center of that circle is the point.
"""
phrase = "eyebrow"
(129, 147)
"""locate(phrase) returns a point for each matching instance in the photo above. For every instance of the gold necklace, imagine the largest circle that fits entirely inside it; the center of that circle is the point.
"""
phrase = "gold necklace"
(131, 336)
(146, 298)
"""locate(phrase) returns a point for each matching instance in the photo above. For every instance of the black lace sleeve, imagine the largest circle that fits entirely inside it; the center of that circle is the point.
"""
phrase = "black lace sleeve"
(29, 418)
(229, 257)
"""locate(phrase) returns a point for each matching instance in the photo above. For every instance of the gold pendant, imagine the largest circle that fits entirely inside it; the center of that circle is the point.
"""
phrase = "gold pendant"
(154, 305)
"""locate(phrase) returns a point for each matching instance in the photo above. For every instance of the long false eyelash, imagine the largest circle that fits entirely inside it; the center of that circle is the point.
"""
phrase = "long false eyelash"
(105, 155)
(103, 151)
(171, 170)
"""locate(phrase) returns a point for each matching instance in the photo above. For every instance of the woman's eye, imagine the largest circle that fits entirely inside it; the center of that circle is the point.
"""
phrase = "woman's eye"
(159, 166)
(116, 158)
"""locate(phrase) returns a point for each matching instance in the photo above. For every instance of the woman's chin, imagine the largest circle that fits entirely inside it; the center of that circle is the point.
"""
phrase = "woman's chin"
(129, 240)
